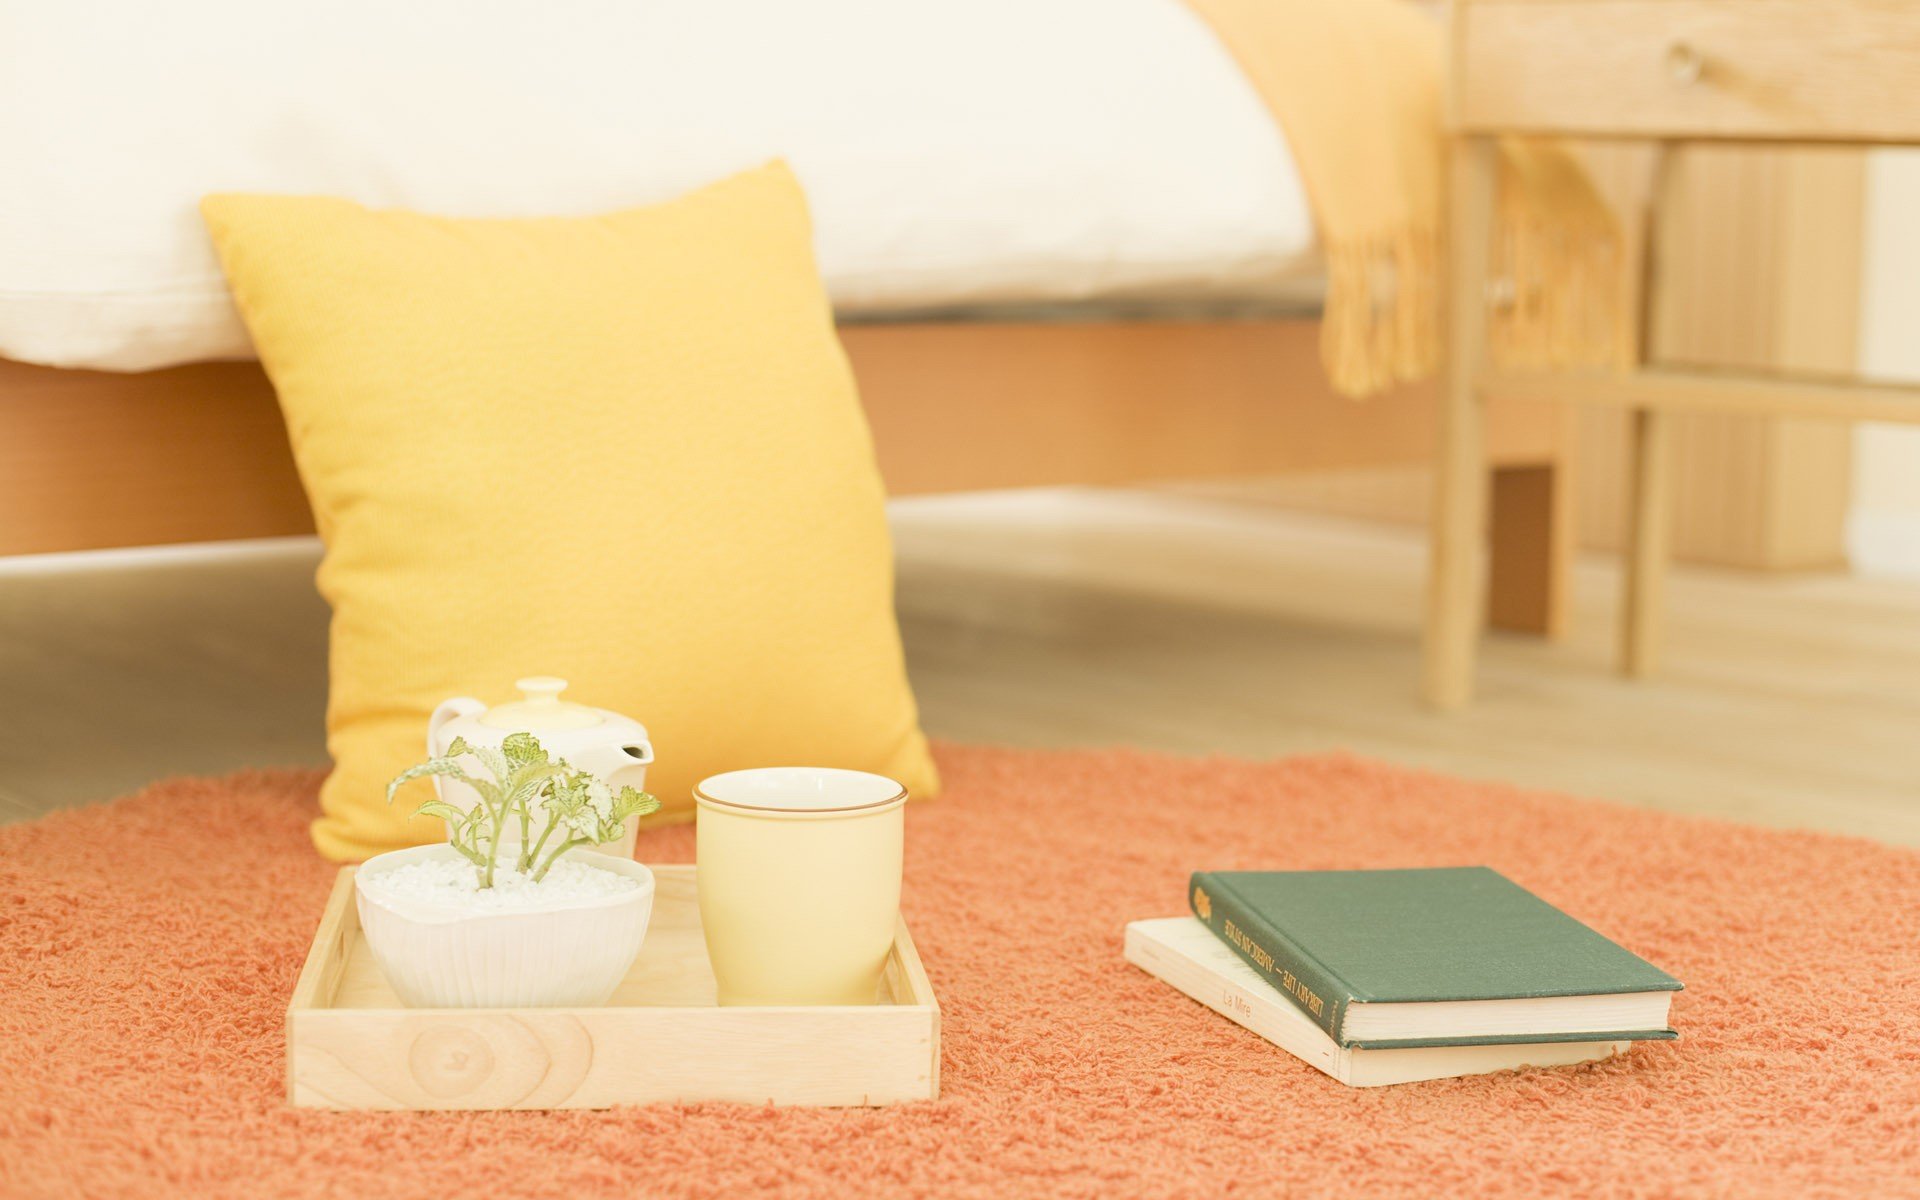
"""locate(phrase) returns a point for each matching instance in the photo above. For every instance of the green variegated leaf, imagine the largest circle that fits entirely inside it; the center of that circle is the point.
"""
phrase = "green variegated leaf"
(632, 803)
(568, 794)
(446, 768)
(454, 817)
(522, 749)
(489, 791)
(566, 803)
(536, 772)
(527, 782)
(490, 758)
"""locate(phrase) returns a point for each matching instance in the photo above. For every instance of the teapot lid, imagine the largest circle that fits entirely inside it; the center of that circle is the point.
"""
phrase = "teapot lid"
(540, 709)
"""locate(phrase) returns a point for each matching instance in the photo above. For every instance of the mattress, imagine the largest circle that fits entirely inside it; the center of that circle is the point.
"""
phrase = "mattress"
(1017, 157)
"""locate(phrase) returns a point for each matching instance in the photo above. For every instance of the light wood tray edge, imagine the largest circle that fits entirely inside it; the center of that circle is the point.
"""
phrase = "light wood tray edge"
(321, 975)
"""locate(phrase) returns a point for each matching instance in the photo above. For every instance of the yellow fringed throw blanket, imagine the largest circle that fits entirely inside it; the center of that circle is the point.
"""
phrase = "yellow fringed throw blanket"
(1356, 86)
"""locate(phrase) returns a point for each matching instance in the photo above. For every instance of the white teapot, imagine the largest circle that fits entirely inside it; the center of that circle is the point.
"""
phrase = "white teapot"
(597, 741)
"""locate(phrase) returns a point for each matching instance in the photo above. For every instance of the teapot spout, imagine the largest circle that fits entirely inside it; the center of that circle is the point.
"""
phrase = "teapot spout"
(617, 766)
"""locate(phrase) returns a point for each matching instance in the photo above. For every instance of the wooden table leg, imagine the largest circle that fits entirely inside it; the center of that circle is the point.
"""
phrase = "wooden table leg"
(1649, 519)
(1454, 603)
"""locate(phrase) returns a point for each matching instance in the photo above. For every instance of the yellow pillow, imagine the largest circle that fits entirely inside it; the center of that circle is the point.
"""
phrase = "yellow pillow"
(622, 449)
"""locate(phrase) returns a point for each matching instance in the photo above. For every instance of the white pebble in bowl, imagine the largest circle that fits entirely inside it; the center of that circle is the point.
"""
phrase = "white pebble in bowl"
(455, 886)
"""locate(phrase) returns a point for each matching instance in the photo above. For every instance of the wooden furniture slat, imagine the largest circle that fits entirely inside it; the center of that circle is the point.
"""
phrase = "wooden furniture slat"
(92, 459)
(351, 1044)
(965, 407)
(320, 976)
(1460, 488)
(1698, 390)
(1773, 70)
(1648, 528)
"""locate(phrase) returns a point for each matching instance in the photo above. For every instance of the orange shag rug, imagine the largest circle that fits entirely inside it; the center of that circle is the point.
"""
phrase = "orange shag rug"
(149, 947)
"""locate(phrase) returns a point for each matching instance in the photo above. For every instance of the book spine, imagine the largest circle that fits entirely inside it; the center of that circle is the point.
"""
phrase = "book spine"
(1296, 975)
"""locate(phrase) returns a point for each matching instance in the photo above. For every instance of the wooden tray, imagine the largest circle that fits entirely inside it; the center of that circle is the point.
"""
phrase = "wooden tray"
(352, 1045)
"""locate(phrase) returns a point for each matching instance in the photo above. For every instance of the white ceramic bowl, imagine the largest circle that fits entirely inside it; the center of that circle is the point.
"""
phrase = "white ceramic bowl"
(563, 957)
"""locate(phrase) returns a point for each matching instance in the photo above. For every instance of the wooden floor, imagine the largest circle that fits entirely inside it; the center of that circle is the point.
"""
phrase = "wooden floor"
(1084, 618)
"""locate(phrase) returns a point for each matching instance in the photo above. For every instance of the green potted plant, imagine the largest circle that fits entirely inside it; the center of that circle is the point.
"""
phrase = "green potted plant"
(513, 909)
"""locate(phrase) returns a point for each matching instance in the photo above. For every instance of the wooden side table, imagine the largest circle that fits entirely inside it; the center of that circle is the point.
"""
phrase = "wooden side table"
(1667, 72)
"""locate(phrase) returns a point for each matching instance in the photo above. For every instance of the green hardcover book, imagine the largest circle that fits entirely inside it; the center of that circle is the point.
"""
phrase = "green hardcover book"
(1432, 957)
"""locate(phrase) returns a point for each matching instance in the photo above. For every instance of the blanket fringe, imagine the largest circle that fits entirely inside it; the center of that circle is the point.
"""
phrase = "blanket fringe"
(1560, 296)
(1381, 322)
(1557, 296)
(1559, 280)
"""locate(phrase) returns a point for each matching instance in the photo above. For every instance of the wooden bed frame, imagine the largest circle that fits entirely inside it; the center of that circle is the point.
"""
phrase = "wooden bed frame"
(198, 453)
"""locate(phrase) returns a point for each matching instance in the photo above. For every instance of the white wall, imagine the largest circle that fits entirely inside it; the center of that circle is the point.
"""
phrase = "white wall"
(1883, 530)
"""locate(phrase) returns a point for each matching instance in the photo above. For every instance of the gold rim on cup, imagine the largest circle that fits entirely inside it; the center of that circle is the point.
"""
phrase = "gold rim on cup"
(702, 796)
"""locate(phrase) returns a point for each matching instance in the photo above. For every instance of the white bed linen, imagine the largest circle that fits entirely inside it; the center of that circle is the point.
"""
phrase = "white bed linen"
(959, 153)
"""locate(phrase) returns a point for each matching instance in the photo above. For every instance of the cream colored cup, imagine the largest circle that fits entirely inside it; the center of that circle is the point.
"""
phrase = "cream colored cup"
(799, 871)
